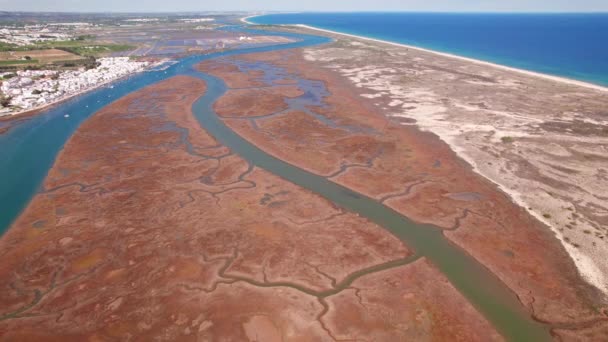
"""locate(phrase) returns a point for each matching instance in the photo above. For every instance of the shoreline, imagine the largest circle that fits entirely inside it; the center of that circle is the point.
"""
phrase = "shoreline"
(559, 79)
(244, 19)
(532, 261)
(38, 109)
(585, 264)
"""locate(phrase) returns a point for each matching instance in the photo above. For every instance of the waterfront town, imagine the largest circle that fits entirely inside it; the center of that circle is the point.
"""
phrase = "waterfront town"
(29, 89)
(51, 59)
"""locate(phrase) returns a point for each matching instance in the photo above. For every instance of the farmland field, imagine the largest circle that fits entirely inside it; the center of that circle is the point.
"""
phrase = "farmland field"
(38, 56)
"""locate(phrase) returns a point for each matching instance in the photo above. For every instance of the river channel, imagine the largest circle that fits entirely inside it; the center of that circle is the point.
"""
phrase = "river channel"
(28, 150)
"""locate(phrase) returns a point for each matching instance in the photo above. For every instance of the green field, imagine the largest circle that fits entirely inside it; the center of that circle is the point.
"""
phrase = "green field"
(86, 48)
(11, 47)
(95, 50)
(18, 62)
(74, 53)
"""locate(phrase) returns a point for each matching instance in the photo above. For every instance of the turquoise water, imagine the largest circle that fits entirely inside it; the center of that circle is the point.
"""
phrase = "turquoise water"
(569, 45)
(28, 150)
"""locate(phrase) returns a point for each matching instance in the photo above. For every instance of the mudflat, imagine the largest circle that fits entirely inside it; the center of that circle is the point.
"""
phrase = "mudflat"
(146, 226)
(333, 131)
(541, 140)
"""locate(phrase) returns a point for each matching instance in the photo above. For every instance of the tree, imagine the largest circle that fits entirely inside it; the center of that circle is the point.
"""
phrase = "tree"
(28, 58)
(84, 37)
(5, 101)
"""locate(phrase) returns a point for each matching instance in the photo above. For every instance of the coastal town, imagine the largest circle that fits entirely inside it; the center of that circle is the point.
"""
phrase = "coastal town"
(29, 89)
(48, 62)
(42, 62)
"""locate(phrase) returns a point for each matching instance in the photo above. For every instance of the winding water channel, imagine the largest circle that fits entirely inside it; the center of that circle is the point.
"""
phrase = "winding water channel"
(28, 150)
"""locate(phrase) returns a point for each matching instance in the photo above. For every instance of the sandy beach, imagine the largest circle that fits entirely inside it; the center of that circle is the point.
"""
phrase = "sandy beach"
(472, 60)
(244, 19)
(372, 151)
(450, 96)
(444, 54)
(432, 117)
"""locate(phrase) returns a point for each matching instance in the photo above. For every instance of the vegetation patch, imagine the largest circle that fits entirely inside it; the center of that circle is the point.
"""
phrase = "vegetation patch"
(19, 61)
(95, 50)
(68, 53)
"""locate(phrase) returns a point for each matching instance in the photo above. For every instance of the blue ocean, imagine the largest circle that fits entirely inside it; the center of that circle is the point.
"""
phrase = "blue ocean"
(568, 45)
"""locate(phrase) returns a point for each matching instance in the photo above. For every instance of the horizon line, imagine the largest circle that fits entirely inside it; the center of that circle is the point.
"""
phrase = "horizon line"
(262, 12)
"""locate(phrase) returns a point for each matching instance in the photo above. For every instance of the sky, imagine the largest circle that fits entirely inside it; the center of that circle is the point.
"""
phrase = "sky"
(306, 5)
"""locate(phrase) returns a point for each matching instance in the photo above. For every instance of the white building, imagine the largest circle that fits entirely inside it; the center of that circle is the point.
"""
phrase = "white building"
(33, 88)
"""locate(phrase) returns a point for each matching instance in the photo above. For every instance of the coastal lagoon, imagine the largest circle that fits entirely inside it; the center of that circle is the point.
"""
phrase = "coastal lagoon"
(29, 149)
(30, 145)
(156, 152)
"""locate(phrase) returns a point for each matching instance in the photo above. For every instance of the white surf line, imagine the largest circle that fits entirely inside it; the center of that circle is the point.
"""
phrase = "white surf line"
(472, 60)
(584, 264)
(244, 19)
(449, 55)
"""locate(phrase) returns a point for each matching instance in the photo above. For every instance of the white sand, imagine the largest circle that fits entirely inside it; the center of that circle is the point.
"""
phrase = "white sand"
(244, 20)
(431, 116)
(472, 60)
